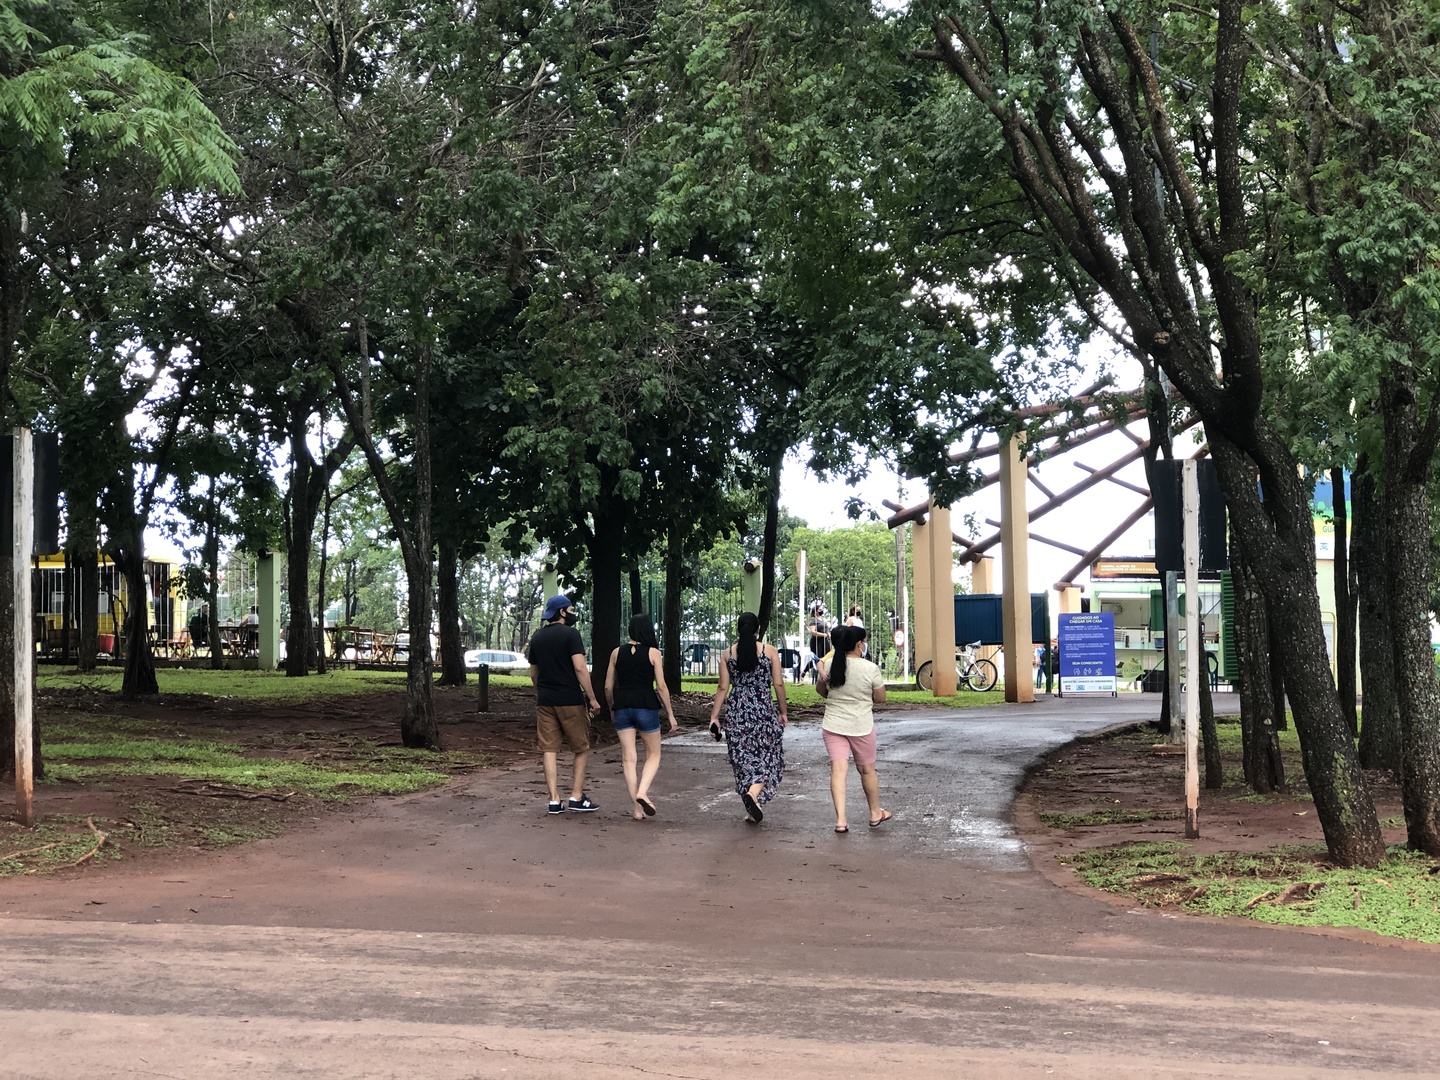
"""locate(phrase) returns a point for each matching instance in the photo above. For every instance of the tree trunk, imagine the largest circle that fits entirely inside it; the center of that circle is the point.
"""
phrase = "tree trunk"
(299, 538)
(637, 597)
(1281, 528)
(1214, 768)
(768, 544)
(212, 581)
(452, 651)
(139, 675)
(1408, 528)
(1264, 767)
(1278, 707)
(83, 542)
(1380, 714)
(673, 661)
(320, 666)
(606, 550)
(418, 727)
(1344, 605)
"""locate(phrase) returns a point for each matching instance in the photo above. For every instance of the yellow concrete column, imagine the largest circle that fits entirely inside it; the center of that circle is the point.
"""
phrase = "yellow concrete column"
(942, 598)
(982, 575)
(922, 633)
(1069, 600)
(1015, 573)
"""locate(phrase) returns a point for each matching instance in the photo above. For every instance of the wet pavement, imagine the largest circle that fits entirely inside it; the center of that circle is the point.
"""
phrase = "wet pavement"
(948, 776)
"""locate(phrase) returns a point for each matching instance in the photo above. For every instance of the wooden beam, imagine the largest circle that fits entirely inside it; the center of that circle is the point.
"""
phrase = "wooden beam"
(1043, 539)
(1115, 534)
(1030, 475)
(1115, 479)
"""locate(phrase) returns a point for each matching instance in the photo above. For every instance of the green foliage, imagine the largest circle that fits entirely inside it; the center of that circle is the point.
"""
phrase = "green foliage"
(1066, 819)
(1286, 886)
(77, 83)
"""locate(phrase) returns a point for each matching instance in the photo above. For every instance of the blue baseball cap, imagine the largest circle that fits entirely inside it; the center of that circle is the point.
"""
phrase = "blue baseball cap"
(555, 605)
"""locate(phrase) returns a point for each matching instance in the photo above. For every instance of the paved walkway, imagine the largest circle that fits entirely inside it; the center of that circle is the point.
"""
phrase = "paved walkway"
(463, 933)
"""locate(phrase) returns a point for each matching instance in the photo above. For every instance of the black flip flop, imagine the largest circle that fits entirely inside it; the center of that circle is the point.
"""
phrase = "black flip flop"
(752, 808)
(715, 732)
(646, 805)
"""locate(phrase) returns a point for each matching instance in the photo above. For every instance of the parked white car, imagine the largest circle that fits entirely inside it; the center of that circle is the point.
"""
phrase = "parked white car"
(498, 660)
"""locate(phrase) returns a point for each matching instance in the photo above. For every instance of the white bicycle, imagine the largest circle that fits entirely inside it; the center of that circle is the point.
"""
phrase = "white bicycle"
(971, 672)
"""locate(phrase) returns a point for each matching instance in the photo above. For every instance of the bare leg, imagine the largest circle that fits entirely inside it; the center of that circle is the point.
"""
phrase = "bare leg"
(839, 773)
(578, 791)
(651, 739)
(627, 760)
(552, 776)
(870, 781)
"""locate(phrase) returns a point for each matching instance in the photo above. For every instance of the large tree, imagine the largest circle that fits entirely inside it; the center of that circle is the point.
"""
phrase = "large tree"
(1137, 170)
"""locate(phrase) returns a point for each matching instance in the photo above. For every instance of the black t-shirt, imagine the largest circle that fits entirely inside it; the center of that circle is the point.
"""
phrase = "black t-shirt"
(550, 651)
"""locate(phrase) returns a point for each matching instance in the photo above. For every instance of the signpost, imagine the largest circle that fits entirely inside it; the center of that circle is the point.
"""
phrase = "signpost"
(1087, 653)
(1194, 648)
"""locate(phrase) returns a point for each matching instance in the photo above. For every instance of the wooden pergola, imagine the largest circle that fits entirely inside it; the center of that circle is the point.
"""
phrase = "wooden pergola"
(1064, 427)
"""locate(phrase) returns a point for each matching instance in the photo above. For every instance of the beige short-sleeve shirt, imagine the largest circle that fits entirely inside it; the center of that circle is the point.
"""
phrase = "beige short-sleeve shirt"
(850, 709)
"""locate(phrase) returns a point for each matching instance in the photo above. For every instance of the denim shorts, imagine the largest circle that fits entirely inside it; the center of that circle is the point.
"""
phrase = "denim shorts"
(645, 720)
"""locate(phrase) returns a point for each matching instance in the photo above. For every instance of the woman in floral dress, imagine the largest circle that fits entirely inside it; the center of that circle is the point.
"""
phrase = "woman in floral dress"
(754, 721)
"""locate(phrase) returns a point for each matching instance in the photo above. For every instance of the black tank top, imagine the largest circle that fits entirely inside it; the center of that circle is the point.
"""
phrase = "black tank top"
(635, 679)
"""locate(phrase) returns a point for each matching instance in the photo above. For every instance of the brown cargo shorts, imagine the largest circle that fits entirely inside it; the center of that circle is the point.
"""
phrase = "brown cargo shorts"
(558, 726)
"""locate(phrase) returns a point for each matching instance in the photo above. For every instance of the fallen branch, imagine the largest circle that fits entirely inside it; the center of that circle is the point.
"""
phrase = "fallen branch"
(1157, 879)
(30, 851)
(233, 793)
(1262, 897)
(100, 839)
(1301, 890)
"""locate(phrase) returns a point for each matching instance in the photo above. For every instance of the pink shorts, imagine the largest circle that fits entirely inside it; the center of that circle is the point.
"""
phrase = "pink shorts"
(840, 747)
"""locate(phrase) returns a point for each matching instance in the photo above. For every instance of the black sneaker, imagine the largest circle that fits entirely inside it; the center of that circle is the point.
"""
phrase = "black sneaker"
(556, 808)
(582, 805)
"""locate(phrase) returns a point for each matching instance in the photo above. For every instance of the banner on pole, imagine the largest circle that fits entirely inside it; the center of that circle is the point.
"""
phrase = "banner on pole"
(1087, 653)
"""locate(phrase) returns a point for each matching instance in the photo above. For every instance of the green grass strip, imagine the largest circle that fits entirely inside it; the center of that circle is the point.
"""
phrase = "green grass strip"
(1287, 886)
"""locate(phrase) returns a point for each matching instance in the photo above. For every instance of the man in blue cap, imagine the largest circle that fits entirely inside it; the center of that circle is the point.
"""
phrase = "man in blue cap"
(564, 701)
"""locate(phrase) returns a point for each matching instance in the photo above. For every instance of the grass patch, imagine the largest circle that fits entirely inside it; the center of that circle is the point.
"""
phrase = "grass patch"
(249, 685)
(86, 748)
(1291, 886)
(53, 844)
(1067, 819)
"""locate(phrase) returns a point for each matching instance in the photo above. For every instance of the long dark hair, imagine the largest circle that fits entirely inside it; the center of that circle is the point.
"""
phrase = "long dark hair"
(746, 628)
(844, 639)
(642, 629)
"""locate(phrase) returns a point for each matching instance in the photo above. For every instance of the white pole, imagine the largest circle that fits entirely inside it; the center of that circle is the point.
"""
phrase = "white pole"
(801, 566)
(1193, 648)
(22, 496)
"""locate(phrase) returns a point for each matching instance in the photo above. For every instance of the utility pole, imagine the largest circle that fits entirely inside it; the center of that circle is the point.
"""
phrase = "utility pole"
(22, 518)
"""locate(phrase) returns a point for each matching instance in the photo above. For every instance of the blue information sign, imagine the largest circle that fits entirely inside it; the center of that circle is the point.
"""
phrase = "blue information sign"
(1087, 653)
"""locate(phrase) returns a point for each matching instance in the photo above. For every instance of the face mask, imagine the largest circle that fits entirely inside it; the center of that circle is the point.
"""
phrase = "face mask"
(864, 648)
(571, 618)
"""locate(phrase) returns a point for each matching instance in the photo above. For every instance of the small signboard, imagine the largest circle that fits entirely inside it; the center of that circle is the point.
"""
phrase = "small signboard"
(1087, 653)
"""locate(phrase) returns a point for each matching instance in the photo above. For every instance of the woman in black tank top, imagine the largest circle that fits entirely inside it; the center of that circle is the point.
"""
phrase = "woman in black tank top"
(635, 688)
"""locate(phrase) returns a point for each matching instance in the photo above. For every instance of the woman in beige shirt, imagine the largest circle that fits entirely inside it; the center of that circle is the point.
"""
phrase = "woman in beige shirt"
(852, 686)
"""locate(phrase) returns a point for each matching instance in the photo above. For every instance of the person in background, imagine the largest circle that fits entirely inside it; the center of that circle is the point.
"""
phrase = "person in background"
(564, 701)
(635, 688)
(854, 618)
(819, 631)
(754, 721)
(199, 628)
(852, 686)
(250, 630)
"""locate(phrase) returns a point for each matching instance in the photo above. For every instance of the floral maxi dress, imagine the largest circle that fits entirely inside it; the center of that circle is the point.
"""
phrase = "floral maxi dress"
(753, 732)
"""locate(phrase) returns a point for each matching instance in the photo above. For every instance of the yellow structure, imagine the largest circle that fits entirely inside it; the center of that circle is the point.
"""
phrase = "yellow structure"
(57, 589)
